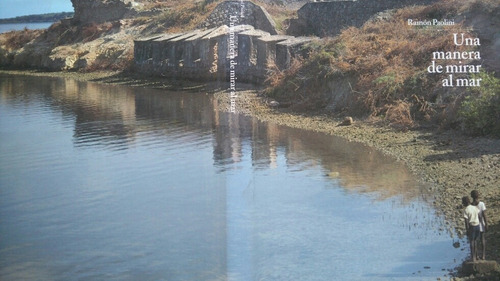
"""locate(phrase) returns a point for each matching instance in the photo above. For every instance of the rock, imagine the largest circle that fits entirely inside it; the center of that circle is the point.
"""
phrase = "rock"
(61, 58)
(250, 14)
(334, 175)
(479, 267)
(347, 121)
(97, 11)
(274, 103)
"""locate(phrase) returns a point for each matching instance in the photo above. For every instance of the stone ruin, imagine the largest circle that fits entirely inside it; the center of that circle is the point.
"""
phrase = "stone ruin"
(247, 13)
(329, 17)
(250, 32)
(237, 39)
(97, 11)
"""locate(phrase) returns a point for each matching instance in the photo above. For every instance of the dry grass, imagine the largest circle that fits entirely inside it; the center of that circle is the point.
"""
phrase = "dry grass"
(17, 39)
(398, 114)
(69, 34)
(186, 15)
(389, 60)
(181, 16)
(276, 75)
(279, 13)
(93, 31)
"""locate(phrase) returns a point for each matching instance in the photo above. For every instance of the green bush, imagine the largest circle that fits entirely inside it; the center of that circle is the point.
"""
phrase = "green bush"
(480, 111)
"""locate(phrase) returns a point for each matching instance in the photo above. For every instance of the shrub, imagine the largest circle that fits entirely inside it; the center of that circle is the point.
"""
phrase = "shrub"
(399, 114)
(17, 39)
(480, 111)
(93, 31)
(388, 60)
(182, 16)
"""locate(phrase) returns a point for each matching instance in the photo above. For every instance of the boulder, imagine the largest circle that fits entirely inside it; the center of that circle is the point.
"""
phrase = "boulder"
(347, 121)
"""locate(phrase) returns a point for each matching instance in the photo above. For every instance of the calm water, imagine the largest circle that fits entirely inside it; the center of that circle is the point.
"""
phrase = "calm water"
(6, 27)
(103, 182)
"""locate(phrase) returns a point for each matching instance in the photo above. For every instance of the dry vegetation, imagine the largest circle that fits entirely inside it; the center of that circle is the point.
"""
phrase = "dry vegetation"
(178, 16)
(279, 13)
(385, 61)
(388, 59)
(29, 48)
(83, 33)
(181, 16)
(17, 39)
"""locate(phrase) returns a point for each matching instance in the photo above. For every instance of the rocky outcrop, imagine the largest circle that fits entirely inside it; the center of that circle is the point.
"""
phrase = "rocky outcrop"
(97, 11)
(328, 18)
(240, 13)
(113, 51)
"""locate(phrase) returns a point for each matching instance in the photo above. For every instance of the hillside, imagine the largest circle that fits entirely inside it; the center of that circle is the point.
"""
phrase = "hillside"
(381, 70)
(101, 34)
(51, 17)
(377, 70)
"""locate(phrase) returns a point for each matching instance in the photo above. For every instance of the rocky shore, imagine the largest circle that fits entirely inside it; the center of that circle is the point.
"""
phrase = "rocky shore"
(448, 163)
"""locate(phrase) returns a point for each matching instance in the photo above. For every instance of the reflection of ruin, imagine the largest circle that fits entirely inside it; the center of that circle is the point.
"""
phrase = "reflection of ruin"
(200, 220)
(88, 105)
(238, 36)
(239, 146)
(96, 103)
(357, 168)
(192, 116)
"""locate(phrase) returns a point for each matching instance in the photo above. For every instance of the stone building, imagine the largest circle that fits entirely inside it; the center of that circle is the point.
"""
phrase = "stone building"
(237, 39)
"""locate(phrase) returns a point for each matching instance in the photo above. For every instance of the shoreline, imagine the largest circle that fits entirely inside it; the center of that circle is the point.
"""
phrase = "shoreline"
(448, 163)
(442, 160)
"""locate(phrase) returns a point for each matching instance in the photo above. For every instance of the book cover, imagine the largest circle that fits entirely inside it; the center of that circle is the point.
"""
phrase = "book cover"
(249, 140)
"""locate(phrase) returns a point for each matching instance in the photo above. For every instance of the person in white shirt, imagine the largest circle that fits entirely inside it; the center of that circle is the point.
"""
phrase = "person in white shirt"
(483, 222)
(471, 216)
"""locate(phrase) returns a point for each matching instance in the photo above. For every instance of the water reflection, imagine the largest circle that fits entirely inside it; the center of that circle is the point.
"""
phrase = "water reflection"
(139, 184)
(106, 117)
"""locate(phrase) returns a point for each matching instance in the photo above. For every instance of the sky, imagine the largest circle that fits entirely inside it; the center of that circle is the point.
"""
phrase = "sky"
(14, 8)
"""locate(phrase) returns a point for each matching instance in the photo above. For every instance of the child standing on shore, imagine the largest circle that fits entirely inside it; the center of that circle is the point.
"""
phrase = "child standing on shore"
(471, 216)
(483, 222)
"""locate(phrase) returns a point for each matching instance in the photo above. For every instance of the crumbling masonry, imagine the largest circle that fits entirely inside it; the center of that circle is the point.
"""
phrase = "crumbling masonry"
(241, 35)
(237, 35)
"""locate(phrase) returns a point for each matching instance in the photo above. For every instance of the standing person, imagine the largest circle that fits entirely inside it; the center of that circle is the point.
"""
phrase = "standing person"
(483, 222)
(471, 216)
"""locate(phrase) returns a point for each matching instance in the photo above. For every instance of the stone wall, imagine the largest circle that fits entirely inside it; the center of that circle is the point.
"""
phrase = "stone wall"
(329, 18)
(238, 39)
(240, 13)
(206, 54)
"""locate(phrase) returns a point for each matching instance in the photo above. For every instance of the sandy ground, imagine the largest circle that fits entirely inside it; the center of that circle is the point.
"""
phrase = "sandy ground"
(447, 162)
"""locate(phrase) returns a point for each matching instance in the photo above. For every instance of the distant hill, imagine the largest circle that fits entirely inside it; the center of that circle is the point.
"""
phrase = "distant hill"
(52, 17)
